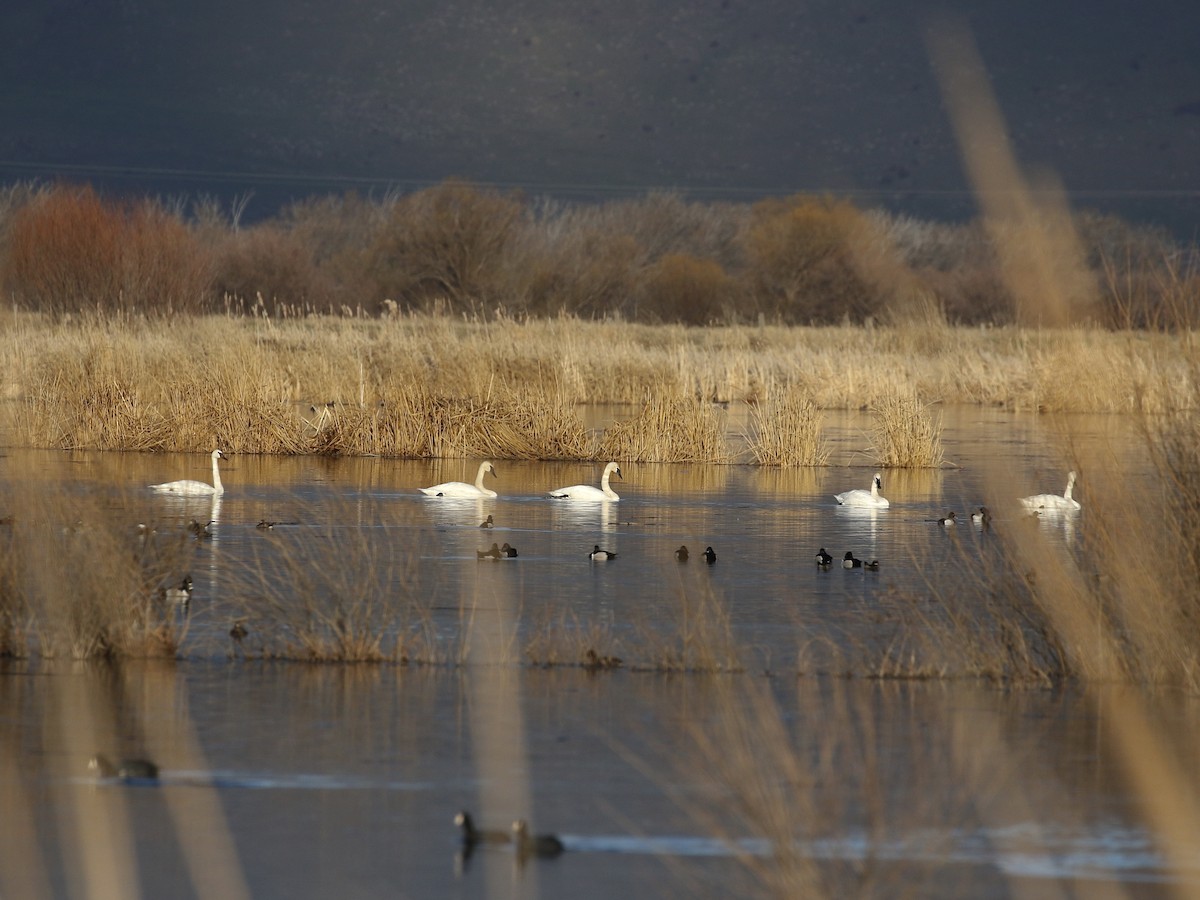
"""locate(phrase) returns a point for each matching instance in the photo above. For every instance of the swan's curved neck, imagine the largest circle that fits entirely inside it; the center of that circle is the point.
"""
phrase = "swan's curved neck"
(605, 487)
(479, 477)
(217, 486)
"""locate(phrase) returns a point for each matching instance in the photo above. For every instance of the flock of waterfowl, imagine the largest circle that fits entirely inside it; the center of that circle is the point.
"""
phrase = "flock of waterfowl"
(860, 498)
(872, 498)
(524, 843)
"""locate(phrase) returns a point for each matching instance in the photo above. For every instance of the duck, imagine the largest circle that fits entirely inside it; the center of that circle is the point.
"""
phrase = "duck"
(126, 769)
(949, 520)
(462, 490)
(508, 552)
(982, 516)
(493, 553)
(587, 492)
(849, 562)
(873, 565)
(871, 499)
(682, 554)
(201, 531)
(489, 522)
(545, 845)
(238, 630)
(710, 555)
(265, 525)
(824, 559)
(1054, 502)
(598, 555)
(181, 595)
(472, 835)
(189, 488)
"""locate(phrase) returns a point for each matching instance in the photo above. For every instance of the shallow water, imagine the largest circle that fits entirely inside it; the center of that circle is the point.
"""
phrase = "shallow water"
(343, 780)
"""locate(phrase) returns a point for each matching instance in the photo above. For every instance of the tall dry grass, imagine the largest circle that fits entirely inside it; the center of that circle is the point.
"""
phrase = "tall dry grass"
(786, 430)
(905, 434)
(74, 585)
(668, 429)
(261, 384)
(365, 604)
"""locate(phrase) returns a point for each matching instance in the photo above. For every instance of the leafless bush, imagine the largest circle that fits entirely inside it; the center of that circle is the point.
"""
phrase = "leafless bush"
(681, 288)
(445, 245)
(268, 262)
(803, 267)
(68, 251)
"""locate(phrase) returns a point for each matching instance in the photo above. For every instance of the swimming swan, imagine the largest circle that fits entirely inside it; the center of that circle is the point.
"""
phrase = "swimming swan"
(461, 488)
(1053, 502)
(190, 488)
(863, 498)
(587, 492)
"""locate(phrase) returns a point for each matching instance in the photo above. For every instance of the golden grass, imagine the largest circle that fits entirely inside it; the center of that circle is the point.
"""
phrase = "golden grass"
(905, 435)
(668, 429)
(430, 386)
(75, 586)
(787, 430)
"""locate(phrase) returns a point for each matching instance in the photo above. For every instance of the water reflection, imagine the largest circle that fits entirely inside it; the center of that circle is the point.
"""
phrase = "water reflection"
(569, 514)
(458, 512)
(322, 775)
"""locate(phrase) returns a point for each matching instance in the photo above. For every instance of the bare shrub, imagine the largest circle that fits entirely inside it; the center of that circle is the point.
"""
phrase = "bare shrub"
(681, 288)
(1160, 295)
(268, 262)
(801, 253)
(585, 274)
(69, 251)
(969, 296)
(337, 233)
(444, 245)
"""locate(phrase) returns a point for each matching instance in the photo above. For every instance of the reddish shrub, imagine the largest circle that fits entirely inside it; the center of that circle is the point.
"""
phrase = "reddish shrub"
(70, 251)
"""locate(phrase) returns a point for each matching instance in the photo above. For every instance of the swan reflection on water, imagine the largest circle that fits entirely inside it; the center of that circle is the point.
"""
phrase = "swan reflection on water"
(584, 515)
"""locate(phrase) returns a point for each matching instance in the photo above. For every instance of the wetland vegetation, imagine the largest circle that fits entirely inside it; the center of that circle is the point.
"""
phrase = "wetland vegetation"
(460, 323)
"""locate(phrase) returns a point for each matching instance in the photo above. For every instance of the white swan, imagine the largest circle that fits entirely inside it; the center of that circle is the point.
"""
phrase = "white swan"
(860, 497)
(461, 488)
(587, 492)
(190, 488)
(1053, 502)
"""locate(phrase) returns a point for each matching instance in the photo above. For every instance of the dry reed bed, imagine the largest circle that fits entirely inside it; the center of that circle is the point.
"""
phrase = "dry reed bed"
(347, 385)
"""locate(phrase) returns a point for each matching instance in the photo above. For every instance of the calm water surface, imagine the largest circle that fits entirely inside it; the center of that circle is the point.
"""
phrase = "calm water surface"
(343, 780)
